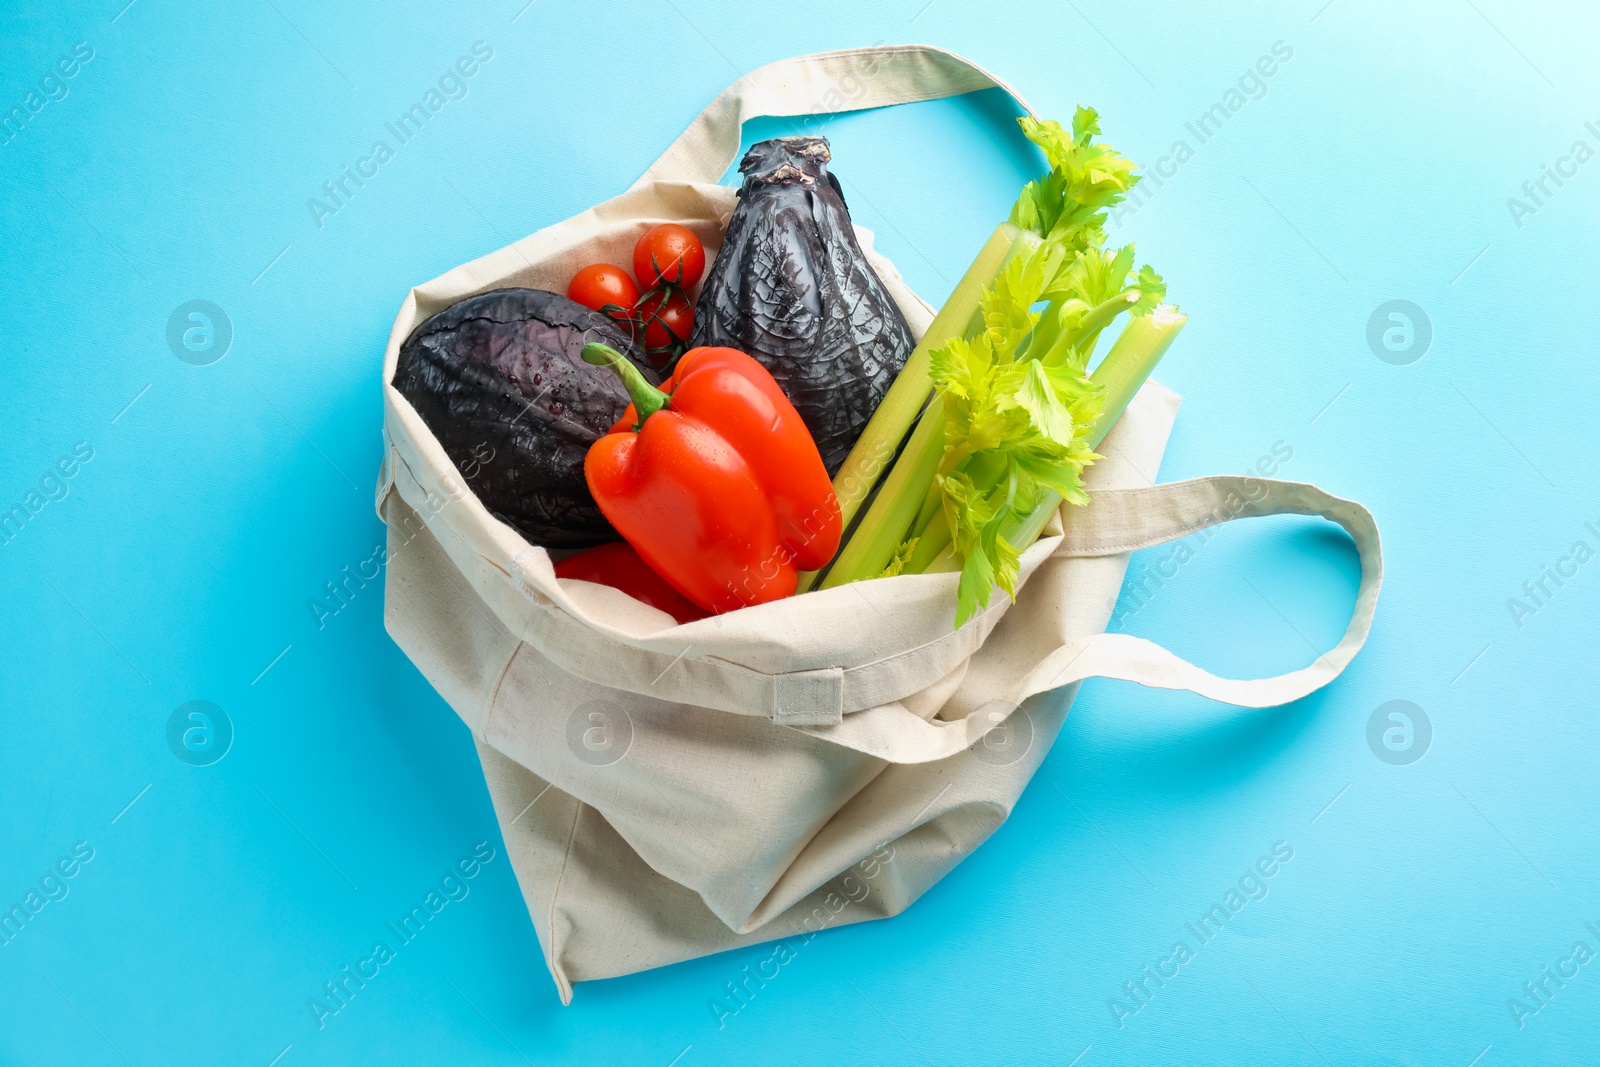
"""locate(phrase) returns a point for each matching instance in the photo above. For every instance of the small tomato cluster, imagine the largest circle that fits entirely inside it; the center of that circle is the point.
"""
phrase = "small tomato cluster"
(667, 261)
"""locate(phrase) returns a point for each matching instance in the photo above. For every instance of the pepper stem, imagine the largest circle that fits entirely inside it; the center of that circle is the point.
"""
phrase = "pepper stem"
(647, 399)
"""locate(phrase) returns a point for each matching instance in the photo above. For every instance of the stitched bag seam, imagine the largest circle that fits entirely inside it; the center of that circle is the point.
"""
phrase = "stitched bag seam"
(555, 892)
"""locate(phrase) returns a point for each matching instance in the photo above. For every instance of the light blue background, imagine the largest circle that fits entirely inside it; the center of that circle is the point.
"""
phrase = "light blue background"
(181, 564)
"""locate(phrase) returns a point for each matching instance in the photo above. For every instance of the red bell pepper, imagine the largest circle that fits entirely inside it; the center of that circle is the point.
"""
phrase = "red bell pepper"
(620, 567)
(714, 479)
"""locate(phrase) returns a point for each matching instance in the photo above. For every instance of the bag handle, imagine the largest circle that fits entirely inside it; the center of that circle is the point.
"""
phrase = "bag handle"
(853, 79)
(1119, 521)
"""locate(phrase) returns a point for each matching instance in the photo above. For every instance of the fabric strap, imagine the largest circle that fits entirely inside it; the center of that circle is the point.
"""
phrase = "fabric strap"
(1124, 520)
(854, 79)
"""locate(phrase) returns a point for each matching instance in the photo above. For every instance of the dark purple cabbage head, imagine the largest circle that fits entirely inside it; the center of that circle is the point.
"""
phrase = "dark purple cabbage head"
(499, 380)
(791, 287)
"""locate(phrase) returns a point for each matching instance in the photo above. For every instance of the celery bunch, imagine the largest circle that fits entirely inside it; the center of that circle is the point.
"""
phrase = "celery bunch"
(1019, 406)
(1017, 413)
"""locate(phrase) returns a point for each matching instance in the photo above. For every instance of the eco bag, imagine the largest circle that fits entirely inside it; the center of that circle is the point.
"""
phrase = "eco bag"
(668, 791)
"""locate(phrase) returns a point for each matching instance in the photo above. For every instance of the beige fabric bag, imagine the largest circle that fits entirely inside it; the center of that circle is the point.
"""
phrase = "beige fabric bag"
(670, 791)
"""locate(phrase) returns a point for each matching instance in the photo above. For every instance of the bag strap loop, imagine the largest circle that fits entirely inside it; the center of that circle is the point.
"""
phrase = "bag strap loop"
(1122, 520)
(853, 79)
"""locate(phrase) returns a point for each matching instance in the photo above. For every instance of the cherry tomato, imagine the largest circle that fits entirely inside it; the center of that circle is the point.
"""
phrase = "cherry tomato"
(668, 320)
(668, 253)
(600, 284)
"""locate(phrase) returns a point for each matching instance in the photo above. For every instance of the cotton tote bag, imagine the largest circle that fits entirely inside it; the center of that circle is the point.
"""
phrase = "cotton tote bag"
(667, 791)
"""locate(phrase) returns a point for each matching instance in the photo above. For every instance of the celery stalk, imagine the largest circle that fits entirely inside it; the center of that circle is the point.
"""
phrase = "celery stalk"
(887, 522)
(932, 530)
(908, 505)
(1132, 359)
(1015, 408)
(906, 397)
(1122, 372)
(932, 502)
(933, 544)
